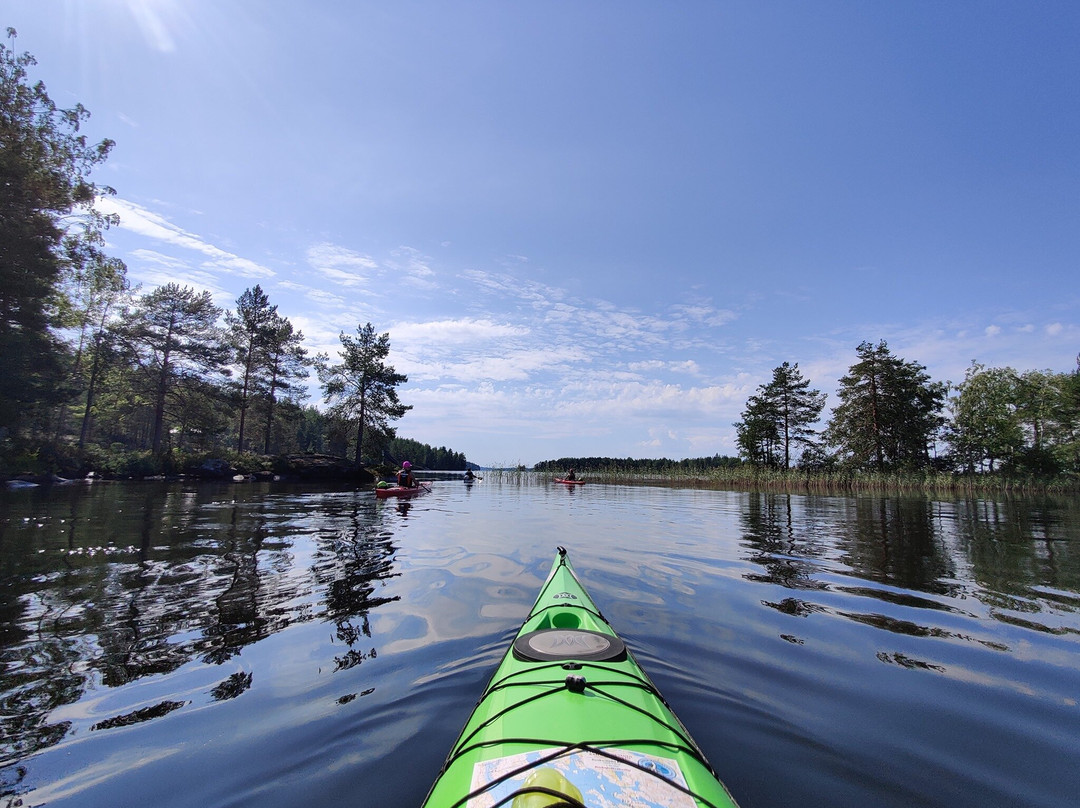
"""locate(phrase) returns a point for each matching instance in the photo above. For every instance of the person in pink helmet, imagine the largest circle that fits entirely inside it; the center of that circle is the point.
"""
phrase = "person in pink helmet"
(405, 477)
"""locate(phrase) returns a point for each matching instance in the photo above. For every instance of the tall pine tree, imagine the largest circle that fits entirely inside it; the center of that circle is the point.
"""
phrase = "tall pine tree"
(47, 225)
(251, 329)
(889, 412)
(173, 332)
(779, 418)
(287, 366)
(362, 390)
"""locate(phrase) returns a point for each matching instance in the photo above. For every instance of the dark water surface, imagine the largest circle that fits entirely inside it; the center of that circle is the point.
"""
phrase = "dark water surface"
(257, 645)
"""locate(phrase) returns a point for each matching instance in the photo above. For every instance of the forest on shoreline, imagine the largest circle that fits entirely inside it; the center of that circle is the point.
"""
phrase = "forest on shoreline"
(99, 376)
(892, 428)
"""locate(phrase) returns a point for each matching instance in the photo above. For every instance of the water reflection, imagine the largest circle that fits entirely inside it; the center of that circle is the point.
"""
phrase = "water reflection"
(255, 645)
(1015, 558)
(202, 574)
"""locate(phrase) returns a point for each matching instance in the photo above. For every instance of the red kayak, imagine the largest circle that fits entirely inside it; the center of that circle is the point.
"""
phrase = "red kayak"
(569, 482)
(402, 491)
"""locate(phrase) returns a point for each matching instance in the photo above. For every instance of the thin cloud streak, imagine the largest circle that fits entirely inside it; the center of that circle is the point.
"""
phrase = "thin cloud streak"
(155, 227)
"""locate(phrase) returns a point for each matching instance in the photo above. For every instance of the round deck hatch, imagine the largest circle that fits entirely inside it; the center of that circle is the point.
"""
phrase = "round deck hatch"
(553, 644)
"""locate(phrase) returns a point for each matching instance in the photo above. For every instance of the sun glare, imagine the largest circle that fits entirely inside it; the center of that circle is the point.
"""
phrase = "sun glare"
(151, 17)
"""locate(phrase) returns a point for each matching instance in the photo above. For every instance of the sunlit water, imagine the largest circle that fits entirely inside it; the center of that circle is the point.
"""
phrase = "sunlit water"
(253, 645)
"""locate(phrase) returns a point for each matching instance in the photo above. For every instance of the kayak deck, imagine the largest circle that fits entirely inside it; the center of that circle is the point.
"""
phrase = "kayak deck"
(570, 713)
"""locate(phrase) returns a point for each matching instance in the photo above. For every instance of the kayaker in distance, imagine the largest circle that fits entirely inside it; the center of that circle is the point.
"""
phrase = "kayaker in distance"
(405, 477)
(469, 475)
(570, 475)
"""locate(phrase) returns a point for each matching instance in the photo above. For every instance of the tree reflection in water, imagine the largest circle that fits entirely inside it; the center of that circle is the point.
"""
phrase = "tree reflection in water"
(144, 579)
(1005, 555)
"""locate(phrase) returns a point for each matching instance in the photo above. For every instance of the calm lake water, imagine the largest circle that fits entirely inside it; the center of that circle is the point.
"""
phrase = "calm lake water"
(263, 645)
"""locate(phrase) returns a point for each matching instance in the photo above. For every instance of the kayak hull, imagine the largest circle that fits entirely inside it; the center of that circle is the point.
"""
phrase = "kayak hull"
(570, 711)
(569, 482)
(401, 492)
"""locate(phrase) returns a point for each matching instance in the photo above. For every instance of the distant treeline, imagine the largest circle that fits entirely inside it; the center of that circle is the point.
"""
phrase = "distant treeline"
(424, 456)
(631, 465)
(893, 422)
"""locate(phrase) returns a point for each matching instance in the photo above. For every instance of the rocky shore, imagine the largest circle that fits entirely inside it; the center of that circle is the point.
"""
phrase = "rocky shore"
(283, 468)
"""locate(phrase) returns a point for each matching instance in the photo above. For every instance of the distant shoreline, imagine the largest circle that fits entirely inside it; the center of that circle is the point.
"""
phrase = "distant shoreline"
(825, 482)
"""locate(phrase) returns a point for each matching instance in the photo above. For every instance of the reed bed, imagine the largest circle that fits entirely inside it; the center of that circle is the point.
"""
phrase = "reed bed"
(749, 478)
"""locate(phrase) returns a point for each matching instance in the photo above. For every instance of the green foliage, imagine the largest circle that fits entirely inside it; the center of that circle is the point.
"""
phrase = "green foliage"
(311, 431)
(889, 412)
(779, 419)
(985, 424)
(48, 228)
(117, 461)
(424, 456)
(1066, 448)
(250, 331)
(269, 361)
(174, 337)
(1027, 421)
(280, 387)
(629, 465)
(362, 390)
(758, 433)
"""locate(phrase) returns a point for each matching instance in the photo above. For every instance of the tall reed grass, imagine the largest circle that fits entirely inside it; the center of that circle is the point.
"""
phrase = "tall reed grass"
(794, 480)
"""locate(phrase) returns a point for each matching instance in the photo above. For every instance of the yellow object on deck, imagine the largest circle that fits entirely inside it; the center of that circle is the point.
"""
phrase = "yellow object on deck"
(551, 780)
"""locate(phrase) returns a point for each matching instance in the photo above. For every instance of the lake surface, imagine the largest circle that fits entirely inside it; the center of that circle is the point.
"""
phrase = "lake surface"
(264, 645)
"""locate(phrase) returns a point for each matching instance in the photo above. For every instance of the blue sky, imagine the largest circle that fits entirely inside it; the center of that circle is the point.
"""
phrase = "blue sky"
(594, 228)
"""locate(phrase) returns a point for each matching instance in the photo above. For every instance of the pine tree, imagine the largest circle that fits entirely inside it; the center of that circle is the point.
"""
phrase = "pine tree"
(363, 388)
(779, 418)
(251, 329)
(173, 333)
(796, 407)
(287, 365)
(47, 226)
(889, 411)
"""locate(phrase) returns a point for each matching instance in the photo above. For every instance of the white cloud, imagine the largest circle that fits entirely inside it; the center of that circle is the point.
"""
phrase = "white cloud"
(992, 330)
(463, 331)
(414, 267)
(341, 265)
(137, 219)
(539, 295)
(153, 26)
(705, 315)
(1054, 329)
(509, 365)
(152, 269)
(688, 366)
(320, 296)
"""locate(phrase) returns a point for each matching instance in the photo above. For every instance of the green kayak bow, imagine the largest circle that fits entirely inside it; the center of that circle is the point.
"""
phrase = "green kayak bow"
(570, 719)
